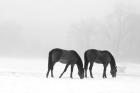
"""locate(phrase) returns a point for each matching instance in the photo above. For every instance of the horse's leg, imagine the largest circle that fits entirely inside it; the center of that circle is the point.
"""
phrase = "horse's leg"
(52, 69)
(104, 71)
(90, 69)
(64, 70)
(49, 68)
(48, 72)
(85, 67)
(71, 71)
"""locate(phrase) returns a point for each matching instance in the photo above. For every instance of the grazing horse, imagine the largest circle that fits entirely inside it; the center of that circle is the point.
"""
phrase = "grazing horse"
(68, 57)
(102, 57)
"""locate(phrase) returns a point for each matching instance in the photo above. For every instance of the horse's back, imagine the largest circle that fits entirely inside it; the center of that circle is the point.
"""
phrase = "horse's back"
(64, 56)
(97, 52)
(98, 55)
(91, 53)
(68, 55)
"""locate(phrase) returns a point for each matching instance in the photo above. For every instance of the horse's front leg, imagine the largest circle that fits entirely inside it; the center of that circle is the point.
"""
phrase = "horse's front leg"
(71, 71)
(64, 71)
(85, 68)
(104, 71)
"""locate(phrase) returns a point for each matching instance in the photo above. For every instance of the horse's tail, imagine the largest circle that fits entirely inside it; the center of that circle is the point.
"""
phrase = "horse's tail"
(50, 59)
(85, 60)
(49, 63)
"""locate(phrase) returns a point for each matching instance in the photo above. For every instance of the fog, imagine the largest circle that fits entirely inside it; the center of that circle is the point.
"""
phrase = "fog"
(31, 28)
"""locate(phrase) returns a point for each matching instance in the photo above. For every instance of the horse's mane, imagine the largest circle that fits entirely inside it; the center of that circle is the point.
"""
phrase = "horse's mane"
(112, 62)
(79, 62)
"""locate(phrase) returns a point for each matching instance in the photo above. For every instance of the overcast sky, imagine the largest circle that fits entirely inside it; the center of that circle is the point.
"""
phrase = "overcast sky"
(55, 15)
(51, 19)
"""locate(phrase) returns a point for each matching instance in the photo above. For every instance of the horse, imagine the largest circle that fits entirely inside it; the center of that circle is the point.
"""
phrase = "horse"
(102, 57)
(68, 57)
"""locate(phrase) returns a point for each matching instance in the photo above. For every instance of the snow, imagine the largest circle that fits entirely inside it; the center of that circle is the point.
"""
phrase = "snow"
(31, 79)
(22, 84)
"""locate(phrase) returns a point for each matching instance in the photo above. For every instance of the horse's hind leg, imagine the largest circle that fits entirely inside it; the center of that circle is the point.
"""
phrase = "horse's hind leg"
(90, 69)
(104, 71)
(52, 73)
(86, 63)
(52, 69)
(64, 71)
(48, 72)
(49, 68)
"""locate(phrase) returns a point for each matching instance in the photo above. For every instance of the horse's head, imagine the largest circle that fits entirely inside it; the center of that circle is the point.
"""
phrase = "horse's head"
(81, 73)
(113, 71)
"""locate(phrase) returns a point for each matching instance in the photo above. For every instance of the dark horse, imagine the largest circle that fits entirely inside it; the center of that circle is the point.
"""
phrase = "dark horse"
(68, 57)
(102, 57)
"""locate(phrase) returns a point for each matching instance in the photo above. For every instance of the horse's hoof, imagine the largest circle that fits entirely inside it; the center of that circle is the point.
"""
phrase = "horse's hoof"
(92, 77)
(104, 77)
(71, 77)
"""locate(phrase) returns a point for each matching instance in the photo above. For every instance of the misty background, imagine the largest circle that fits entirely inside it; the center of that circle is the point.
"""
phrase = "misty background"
(31, 28)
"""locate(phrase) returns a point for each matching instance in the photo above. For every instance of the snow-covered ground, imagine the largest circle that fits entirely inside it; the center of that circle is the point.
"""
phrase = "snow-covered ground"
(13, 84)
(28, 76)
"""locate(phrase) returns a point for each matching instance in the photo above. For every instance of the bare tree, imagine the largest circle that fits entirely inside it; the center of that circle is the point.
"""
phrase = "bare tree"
(118, 26)
(90, 33)
(81, 32)
(110, 33)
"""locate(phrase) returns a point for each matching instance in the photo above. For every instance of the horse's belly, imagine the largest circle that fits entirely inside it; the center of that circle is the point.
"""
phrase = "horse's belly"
(98, 61)
(64, 61)
(67, 58)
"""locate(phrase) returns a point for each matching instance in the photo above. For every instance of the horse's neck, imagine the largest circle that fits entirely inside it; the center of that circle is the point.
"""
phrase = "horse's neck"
(79, 65)
(79, 62)
(112, 64)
